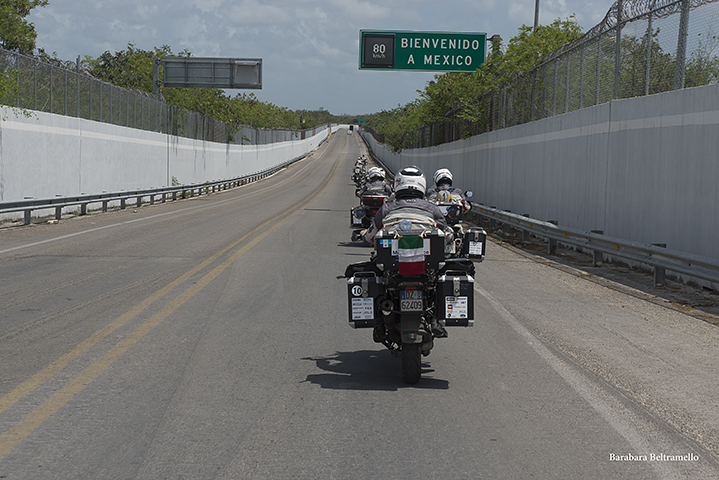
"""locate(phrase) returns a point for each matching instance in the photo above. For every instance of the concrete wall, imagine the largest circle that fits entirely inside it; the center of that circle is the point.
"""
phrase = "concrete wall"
(642, 169)
(47, 155)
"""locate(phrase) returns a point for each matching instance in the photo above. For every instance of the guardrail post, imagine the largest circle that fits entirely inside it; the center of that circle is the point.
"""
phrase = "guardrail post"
(58, 213)
(525, 233)
(123, 203)
(152, 199)
(507, 228)
(104, 206)
(83, 209)
(597, 256)
(28, 216)
(139, 201)
(552, 243)
(659, 273)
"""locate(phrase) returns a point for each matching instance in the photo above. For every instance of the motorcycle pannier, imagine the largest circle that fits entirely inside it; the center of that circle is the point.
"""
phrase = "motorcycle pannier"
(363, 290)
(475, 243)
(355, 220)
(455, 300)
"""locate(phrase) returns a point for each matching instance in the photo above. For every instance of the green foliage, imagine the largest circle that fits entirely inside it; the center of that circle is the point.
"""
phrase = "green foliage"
(702, 67)
(130, 68)
(451, 90)
(9, 90)
(532, 46)
(133, 68)
(16, 33)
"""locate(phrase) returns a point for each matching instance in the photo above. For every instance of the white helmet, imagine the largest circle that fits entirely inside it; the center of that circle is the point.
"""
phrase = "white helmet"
(375, 172)
(442, 174)
(410, 178)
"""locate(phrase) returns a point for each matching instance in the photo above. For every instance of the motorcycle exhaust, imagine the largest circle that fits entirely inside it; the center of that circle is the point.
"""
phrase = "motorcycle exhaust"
(386, 306)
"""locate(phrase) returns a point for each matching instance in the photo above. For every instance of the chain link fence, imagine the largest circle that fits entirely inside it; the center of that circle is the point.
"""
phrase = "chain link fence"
(65, 90)
(641, 47)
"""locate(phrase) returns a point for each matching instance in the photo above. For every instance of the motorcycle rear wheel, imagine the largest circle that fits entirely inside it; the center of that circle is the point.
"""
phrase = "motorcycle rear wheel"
(411, 362)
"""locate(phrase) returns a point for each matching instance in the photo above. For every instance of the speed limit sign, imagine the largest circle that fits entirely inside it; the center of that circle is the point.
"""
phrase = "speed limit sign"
(377, 50)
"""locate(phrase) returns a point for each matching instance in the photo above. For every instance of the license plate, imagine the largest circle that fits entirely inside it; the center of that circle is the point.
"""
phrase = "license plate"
(410, 301)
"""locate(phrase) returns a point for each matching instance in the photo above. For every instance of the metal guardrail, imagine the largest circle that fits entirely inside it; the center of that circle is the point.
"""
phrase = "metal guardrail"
(29, 205)
(657, 256)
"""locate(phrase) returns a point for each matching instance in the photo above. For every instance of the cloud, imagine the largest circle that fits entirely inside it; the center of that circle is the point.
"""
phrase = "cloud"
(310, 48)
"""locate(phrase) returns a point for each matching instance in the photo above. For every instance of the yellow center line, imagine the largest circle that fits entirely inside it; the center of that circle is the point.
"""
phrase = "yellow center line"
(36, 380)
(27, 425)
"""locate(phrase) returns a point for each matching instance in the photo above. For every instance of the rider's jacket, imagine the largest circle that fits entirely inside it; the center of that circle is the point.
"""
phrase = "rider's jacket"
(445, 193)
(418, 205)
(378, 186)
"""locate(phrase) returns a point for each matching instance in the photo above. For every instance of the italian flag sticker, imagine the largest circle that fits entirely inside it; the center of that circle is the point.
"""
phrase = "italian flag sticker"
(411, 255)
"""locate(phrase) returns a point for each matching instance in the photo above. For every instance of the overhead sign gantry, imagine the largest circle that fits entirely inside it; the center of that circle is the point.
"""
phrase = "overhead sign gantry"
(210, 72)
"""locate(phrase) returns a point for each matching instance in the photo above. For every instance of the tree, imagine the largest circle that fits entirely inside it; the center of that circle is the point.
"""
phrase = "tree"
(133, 68)
(702, 68)
(464, 92)
(16, 33)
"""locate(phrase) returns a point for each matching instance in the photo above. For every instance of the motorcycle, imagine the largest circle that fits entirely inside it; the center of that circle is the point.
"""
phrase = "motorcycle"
(409, 290)
(453, 207)
(359, 172)
(361, 216)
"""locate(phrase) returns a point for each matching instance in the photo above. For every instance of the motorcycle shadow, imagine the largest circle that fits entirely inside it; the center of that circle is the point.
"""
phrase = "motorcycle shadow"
(357, 244)
(358, 249)
(367, 370)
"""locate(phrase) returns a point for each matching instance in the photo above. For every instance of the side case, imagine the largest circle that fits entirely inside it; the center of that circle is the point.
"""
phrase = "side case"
(455, 300)
(363, 290)
(474, 245)
(355, 221)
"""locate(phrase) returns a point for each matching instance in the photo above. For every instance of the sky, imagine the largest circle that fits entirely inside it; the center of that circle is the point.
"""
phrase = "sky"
(309, 48)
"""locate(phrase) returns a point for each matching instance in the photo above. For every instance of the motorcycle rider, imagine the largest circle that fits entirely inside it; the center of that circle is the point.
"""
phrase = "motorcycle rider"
(376, 182)
(443, 191)
(410, 187)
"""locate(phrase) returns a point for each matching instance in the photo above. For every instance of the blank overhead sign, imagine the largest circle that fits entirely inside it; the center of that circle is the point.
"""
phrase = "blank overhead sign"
(199, 72)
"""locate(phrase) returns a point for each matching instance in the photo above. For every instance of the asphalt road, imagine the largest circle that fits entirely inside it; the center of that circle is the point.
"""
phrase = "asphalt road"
(208, 338)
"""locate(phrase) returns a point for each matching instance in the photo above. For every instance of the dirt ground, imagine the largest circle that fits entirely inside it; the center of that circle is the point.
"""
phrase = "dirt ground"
(700, 302)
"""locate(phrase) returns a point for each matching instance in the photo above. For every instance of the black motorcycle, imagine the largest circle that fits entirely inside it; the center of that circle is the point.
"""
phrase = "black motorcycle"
(453, 210)
(410, 290)
(359, 172)
(361, 216)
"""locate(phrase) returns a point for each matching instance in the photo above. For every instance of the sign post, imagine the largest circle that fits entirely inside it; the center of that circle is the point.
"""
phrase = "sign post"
(422, 51)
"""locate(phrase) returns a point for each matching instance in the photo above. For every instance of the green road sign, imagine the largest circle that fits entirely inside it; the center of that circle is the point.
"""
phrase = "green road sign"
(423, 51)
(359, 120)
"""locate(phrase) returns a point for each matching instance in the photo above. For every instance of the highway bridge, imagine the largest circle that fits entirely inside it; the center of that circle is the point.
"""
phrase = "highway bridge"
(208, 338)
